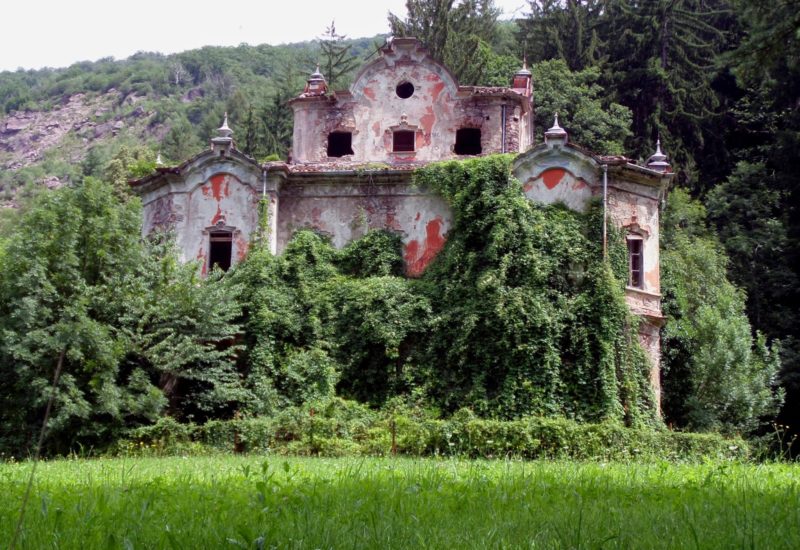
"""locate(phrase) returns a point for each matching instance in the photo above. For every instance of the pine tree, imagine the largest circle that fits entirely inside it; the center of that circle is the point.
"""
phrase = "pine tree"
(337, 61)
(452, 31)
(568, 30)
(661, 64)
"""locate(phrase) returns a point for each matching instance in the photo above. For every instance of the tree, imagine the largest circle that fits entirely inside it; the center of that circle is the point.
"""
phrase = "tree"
(527, 317)
(181, 141)
(570, 30)
(592, 121)
(755, 208)
(55, 303)
(337, 60)
(451, 30)
(134, 330)
(717, 376)
(661, 64)
(128, 163)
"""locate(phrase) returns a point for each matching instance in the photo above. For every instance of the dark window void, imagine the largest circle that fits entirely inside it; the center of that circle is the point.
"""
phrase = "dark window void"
(404, 90)
(468, 141)
(635, 263)
(340, 144)
(220, 249)
(403, 141)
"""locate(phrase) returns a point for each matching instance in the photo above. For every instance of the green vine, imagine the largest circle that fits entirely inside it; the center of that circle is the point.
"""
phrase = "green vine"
(518, 315)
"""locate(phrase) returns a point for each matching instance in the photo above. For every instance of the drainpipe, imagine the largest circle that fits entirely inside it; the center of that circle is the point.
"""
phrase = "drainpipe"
(264, 206)
(503, 129)
(605, 211)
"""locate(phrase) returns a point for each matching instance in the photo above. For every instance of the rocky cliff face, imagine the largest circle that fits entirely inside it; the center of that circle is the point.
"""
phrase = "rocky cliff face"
(72, 127)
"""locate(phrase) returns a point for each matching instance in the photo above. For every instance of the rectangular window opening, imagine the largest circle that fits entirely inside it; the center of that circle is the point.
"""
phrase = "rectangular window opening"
(340, 144)
(403, 141)
(635, 263)
(468, 141)
(220, 249)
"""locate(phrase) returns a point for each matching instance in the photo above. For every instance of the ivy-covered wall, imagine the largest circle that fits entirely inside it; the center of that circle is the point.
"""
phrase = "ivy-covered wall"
(518, 314)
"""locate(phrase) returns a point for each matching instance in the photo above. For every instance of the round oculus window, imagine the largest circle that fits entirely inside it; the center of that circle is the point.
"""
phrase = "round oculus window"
(404, 90)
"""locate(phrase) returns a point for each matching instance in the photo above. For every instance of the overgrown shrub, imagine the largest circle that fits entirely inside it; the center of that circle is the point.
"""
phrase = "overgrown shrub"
(337, 427)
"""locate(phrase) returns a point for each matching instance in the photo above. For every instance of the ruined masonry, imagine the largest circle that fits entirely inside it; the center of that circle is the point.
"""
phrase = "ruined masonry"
(353, 154)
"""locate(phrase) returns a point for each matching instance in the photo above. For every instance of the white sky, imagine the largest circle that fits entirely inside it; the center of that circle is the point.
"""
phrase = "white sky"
(57, 33)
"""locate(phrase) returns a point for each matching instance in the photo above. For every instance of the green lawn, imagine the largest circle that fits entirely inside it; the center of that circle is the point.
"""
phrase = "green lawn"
(254, 502)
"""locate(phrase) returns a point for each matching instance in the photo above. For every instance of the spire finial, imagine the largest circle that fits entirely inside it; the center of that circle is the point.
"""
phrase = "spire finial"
(556, 133)
(224, 130)
(658, 161)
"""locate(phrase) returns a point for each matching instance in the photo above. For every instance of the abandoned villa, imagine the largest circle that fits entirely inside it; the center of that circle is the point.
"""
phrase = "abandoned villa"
(352, 158)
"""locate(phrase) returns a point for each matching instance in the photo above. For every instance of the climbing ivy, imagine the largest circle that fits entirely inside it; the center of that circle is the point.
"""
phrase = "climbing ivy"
(527, 316)
(519, 313)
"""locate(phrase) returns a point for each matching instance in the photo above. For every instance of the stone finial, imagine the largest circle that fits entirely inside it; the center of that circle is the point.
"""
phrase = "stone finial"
(556, 134)
(658, 161)
(223, 143)
(316, 85)
(224, 130)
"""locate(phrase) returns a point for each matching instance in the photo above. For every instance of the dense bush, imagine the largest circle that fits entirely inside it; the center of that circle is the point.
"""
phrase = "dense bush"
(717, 374)
(336, 427)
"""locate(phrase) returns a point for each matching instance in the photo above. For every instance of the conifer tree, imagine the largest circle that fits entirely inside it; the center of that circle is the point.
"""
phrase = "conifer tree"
(451, 30)
(337, 60)
(661, 64)
(570, 30)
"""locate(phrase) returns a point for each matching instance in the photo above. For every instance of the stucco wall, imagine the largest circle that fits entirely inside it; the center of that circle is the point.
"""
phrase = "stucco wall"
(372, 110)
(217, 194)
(346, 212)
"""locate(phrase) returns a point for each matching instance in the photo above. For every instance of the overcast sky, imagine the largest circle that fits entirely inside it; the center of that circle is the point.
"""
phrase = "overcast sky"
(57, 33)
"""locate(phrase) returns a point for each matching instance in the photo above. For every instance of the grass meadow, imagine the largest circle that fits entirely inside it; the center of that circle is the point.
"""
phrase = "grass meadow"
(266, 502)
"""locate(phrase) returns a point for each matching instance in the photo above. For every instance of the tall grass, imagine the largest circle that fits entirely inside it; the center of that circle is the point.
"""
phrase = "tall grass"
(257, 502)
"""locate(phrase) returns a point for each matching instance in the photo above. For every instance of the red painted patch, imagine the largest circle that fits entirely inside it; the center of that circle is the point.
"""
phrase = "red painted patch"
(553, 177)
(370, 93)
(391, 222)
(377, 128)
(436, 90)
(416, 219)
(201, 257)
(241, 248)
(432, 77)
(419, 141)
(427, 120)
(219, 187)
(218, 216)
(578, 185)
(418, 257)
